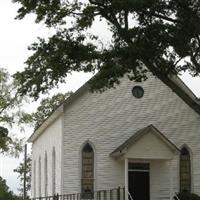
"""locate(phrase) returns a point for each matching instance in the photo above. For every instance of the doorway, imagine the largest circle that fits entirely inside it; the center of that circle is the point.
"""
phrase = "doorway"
(138, 181)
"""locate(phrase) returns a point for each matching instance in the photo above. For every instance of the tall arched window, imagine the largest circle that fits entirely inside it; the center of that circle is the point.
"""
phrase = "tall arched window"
(39, 177)
(54, 171)
(185, 170)
(46, 174)
(34, 178)
(87, 184)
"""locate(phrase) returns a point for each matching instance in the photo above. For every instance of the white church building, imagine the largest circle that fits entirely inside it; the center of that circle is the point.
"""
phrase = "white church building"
(140, 136)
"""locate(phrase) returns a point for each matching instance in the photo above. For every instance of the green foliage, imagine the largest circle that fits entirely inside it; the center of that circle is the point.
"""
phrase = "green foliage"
(20, 170)
(47, 106)
(44, 110)
(5, 193)
(188, 196)
(10, 114)
(159, 36)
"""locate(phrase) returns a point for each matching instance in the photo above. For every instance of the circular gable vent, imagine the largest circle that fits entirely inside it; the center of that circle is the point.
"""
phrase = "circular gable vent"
(138, 91)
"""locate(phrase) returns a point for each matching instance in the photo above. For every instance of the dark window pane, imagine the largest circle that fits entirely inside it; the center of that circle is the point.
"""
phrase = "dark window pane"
(87, 183)
(184, 152)
(87, 148)
(185, 171)
(138, 166)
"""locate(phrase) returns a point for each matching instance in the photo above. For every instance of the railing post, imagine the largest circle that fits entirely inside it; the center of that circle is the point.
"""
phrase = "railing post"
(111, 195)
(126, 178)
(123, 193)
(97, 195)
(104, 195)
(118, 193)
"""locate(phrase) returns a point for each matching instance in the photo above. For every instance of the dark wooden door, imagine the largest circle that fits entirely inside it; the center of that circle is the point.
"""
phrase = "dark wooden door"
(138, 182)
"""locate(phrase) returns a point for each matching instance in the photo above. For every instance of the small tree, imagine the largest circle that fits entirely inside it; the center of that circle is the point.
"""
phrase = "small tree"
(5, 193)
(11, 114)
(44, 110)
(188, 196)
(20, 170)
(47, 106)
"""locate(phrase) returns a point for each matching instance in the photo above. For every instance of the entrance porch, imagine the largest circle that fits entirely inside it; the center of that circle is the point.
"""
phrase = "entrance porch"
(149, 159)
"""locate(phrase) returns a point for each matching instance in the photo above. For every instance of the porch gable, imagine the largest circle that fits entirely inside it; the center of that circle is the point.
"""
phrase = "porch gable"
(149, 144)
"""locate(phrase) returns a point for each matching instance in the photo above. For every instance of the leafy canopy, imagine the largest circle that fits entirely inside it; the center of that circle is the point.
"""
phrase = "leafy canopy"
(160, 36)
(11, 114)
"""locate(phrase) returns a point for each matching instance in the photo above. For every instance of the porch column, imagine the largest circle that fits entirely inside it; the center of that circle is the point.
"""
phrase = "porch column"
(126, 178)
(171, 179)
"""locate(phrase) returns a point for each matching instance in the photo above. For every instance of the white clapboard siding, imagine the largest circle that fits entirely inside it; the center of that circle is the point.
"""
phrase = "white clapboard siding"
(109, 118)
(51, 137)
(106, 120)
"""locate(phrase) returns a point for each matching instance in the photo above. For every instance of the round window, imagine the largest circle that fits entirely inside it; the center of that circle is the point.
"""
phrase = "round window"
(138, 91)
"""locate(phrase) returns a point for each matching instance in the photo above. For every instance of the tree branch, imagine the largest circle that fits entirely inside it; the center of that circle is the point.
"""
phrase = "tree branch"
(196, 64)
(126, 20)
(9, 103)
(162, 17)
(112, 18)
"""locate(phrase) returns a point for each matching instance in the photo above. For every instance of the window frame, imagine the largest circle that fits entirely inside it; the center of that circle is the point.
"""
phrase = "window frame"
(53, 171)
(189, 163)
(39, 176)
(91, 194)
(34, 178)
(45, 174)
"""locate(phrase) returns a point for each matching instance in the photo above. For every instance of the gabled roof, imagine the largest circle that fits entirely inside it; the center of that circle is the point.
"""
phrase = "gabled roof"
(184, 92)
(181, 90)
(55, 114)
(122, 149)
(46, 123)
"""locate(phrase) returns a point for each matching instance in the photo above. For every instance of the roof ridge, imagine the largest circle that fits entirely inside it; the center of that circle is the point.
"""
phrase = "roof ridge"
(183, 93)
(137, 135)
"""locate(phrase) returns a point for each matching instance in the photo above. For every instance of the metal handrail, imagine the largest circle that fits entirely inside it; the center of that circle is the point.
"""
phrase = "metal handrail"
(129, 195)
(176, 196)
(111, 194)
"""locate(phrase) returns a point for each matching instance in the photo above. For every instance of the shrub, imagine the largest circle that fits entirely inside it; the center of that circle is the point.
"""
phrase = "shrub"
(188, 196)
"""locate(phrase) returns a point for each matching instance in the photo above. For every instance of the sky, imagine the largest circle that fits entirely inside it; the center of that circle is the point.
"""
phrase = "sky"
(15, 37)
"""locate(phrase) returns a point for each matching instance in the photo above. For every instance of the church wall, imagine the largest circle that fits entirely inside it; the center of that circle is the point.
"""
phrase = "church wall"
(110, 118)
(51, 138)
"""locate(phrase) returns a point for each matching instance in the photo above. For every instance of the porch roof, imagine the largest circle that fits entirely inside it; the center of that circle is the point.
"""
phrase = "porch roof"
(146, 143)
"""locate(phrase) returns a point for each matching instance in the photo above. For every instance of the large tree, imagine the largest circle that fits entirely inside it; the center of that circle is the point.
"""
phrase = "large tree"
(160, 36)
(11, 114)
